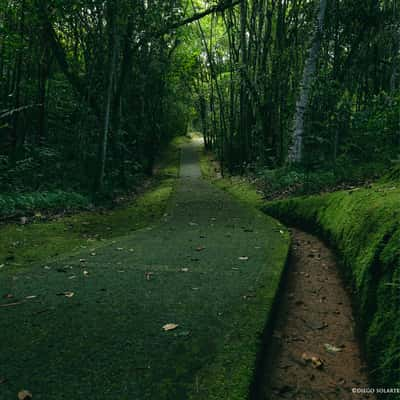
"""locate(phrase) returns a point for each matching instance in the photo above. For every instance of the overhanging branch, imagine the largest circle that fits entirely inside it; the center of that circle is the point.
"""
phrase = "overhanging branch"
(222, 6)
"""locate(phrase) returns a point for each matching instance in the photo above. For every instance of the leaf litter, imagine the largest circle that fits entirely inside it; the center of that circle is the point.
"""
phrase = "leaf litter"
(170, 327)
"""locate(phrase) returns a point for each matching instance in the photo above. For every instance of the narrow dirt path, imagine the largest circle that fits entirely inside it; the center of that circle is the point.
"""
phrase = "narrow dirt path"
(89, 326)
(315, 354)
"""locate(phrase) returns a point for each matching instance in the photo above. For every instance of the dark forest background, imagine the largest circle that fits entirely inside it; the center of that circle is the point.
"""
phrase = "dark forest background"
(91, 91)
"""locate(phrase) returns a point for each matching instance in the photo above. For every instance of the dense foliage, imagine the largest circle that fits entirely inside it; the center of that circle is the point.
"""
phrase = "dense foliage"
(270, 63)
(92, 90)
(89, 91)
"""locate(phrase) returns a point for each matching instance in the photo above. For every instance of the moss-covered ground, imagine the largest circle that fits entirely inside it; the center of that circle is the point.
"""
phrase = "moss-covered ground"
(364, 226)
(239, 187)
(88, 324)
(22, 245)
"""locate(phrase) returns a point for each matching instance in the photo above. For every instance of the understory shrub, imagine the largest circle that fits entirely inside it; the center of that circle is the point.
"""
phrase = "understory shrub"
(20, 204)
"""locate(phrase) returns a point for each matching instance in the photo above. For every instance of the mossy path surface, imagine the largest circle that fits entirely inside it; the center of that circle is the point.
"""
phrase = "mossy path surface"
(89, 326)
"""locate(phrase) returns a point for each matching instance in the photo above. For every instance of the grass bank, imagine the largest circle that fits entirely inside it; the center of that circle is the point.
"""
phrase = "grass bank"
(363, 225)
(25, 244)
(239, 187)
(246, 380)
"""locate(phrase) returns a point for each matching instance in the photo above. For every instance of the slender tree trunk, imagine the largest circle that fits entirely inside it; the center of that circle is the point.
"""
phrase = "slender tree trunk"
(110, 85)
(243, 67)
(16, 138)
(296, 151)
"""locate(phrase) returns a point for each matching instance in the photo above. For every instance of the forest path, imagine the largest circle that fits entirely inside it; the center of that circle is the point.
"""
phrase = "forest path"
(314, 319)
(89, 326)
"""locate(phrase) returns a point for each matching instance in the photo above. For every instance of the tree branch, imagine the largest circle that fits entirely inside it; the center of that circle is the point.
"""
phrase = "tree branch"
(222, 6)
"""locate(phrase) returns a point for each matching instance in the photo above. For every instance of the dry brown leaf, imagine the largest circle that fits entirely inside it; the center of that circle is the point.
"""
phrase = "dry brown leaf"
(316, 362)
(66, 294)
(24, 395)
(169, 327)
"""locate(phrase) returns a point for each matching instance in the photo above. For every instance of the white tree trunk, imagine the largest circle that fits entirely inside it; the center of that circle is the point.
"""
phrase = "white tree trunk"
(296, 151)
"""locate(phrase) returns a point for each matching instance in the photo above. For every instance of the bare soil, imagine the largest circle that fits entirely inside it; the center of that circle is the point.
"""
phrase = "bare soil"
(315, 352)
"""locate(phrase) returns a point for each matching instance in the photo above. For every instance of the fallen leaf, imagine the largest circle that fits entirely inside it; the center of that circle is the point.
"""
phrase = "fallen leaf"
(66, 294)
(200, 248)
(316, 362)
(30, 297)
(120, 248)
(11, 304)
(47, 267)
(93, 254)
(243, 258)
(86, 273)
(24, 395)
(82, 260)
(148, 275)
(169, 327)
(332, 349)
(72, 277)
(185, 269)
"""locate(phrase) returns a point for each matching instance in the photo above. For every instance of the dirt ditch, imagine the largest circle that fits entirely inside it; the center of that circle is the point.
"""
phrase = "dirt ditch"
(315, 353)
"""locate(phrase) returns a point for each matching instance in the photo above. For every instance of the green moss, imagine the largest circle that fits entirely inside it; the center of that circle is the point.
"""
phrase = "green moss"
(23, 245)
(238, 187)
(364, 226)
(232, 373)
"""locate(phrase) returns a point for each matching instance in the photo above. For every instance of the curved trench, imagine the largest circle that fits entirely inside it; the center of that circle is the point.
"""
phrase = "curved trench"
(314, 351)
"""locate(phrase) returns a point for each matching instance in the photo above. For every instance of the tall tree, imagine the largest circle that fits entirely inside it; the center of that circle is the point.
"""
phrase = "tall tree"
(309, 74)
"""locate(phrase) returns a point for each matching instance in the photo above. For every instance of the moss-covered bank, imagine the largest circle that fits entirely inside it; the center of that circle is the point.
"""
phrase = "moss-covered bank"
(22, 245)
(364, 227)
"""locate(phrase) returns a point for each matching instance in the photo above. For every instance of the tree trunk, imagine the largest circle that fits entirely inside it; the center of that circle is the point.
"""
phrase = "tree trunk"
(296, 151)
(111, 74)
